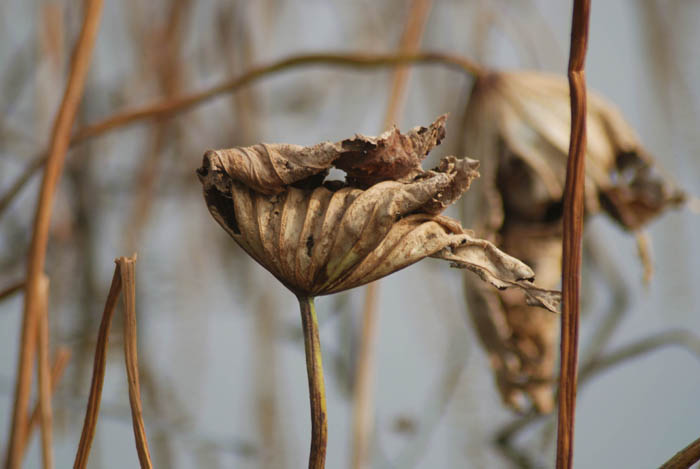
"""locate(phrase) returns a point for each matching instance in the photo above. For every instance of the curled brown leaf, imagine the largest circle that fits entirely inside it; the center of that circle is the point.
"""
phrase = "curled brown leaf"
(322, 238)
(271, 168)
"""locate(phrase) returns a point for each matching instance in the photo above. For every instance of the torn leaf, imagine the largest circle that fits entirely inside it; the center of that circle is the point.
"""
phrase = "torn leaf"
(321, 238)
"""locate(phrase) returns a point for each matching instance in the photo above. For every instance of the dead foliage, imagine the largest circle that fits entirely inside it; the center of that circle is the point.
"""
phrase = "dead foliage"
(518, 123)
(320, 237)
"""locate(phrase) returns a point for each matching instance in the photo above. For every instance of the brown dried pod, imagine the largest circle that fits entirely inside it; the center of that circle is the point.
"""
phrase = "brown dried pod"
(518, 124)
(320, 238)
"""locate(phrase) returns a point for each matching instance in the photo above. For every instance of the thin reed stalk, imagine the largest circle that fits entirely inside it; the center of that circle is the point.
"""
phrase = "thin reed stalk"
(59, 366)
(44, 376)
(573, 233)
(60, 140)
(123, 277)
(126, 270)
(11, 290)
(317, 389)
(685, 457)
(98, 373)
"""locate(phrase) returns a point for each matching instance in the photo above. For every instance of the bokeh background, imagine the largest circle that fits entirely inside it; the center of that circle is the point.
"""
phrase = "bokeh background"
(220, 345)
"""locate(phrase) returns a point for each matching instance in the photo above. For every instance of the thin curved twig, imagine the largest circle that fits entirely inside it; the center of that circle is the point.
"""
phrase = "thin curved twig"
(11, 290)
(168, 107)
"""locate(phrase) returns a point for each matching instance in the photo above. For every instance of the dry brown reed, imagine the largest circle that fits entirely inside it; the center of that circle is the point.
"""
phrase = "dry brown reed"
(98, 372)
(44, 378)
(126, 270)
(123, 279)
(11, 290)
(59, 366)
(685, 457)
(572, 234)
(60, 140)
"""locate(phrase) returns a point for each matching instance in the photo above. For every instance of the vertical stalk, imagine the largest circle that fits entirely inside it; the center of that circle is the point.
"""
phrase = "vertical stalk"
(573, 230)
(60, 141)
(44, 378)
(317, 390)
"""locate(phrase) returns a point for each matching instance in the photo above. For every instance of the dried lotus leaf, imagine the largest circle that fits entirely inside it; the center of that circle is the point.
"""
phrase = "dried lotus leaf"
(270, 168)
(391, 156)
(320, 239)
(519, 125)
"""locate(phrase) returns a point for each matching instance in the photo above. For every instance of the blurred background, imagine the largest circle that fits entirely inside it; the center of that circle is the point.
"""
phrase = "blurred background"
(220, 345)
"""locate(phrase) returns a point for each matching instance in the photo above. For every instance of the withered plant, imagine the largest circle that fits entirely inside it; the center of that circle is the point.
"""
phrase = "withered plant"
(519, 122)
(320, 237)
(385, 216)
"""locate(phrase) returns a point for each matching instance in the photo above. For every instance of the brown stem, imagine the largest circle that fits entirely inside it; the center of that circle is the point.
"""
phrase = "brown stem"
(169, 107)
(44, 375)
(573, 232)
(685, 457)
(59, 366)
(11, 290)
(98, 373)
(126, 269)
(123, 278)
(317, 391)
(60, 140)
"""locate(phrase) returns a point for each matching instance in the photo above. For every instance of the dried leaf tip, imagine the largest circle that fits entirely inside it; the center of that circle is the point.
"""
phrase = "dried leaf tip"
(321, 237)
(271, 168)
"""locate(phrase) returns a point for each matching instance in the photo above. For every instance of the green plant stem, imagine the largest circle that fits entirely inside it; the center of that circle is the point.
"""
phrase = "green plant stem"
(317, 390)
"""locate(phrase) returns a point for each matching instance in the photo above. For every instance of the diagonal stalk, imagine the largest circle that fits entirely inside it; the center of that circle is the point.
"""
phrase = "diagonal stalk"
(317, 390)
